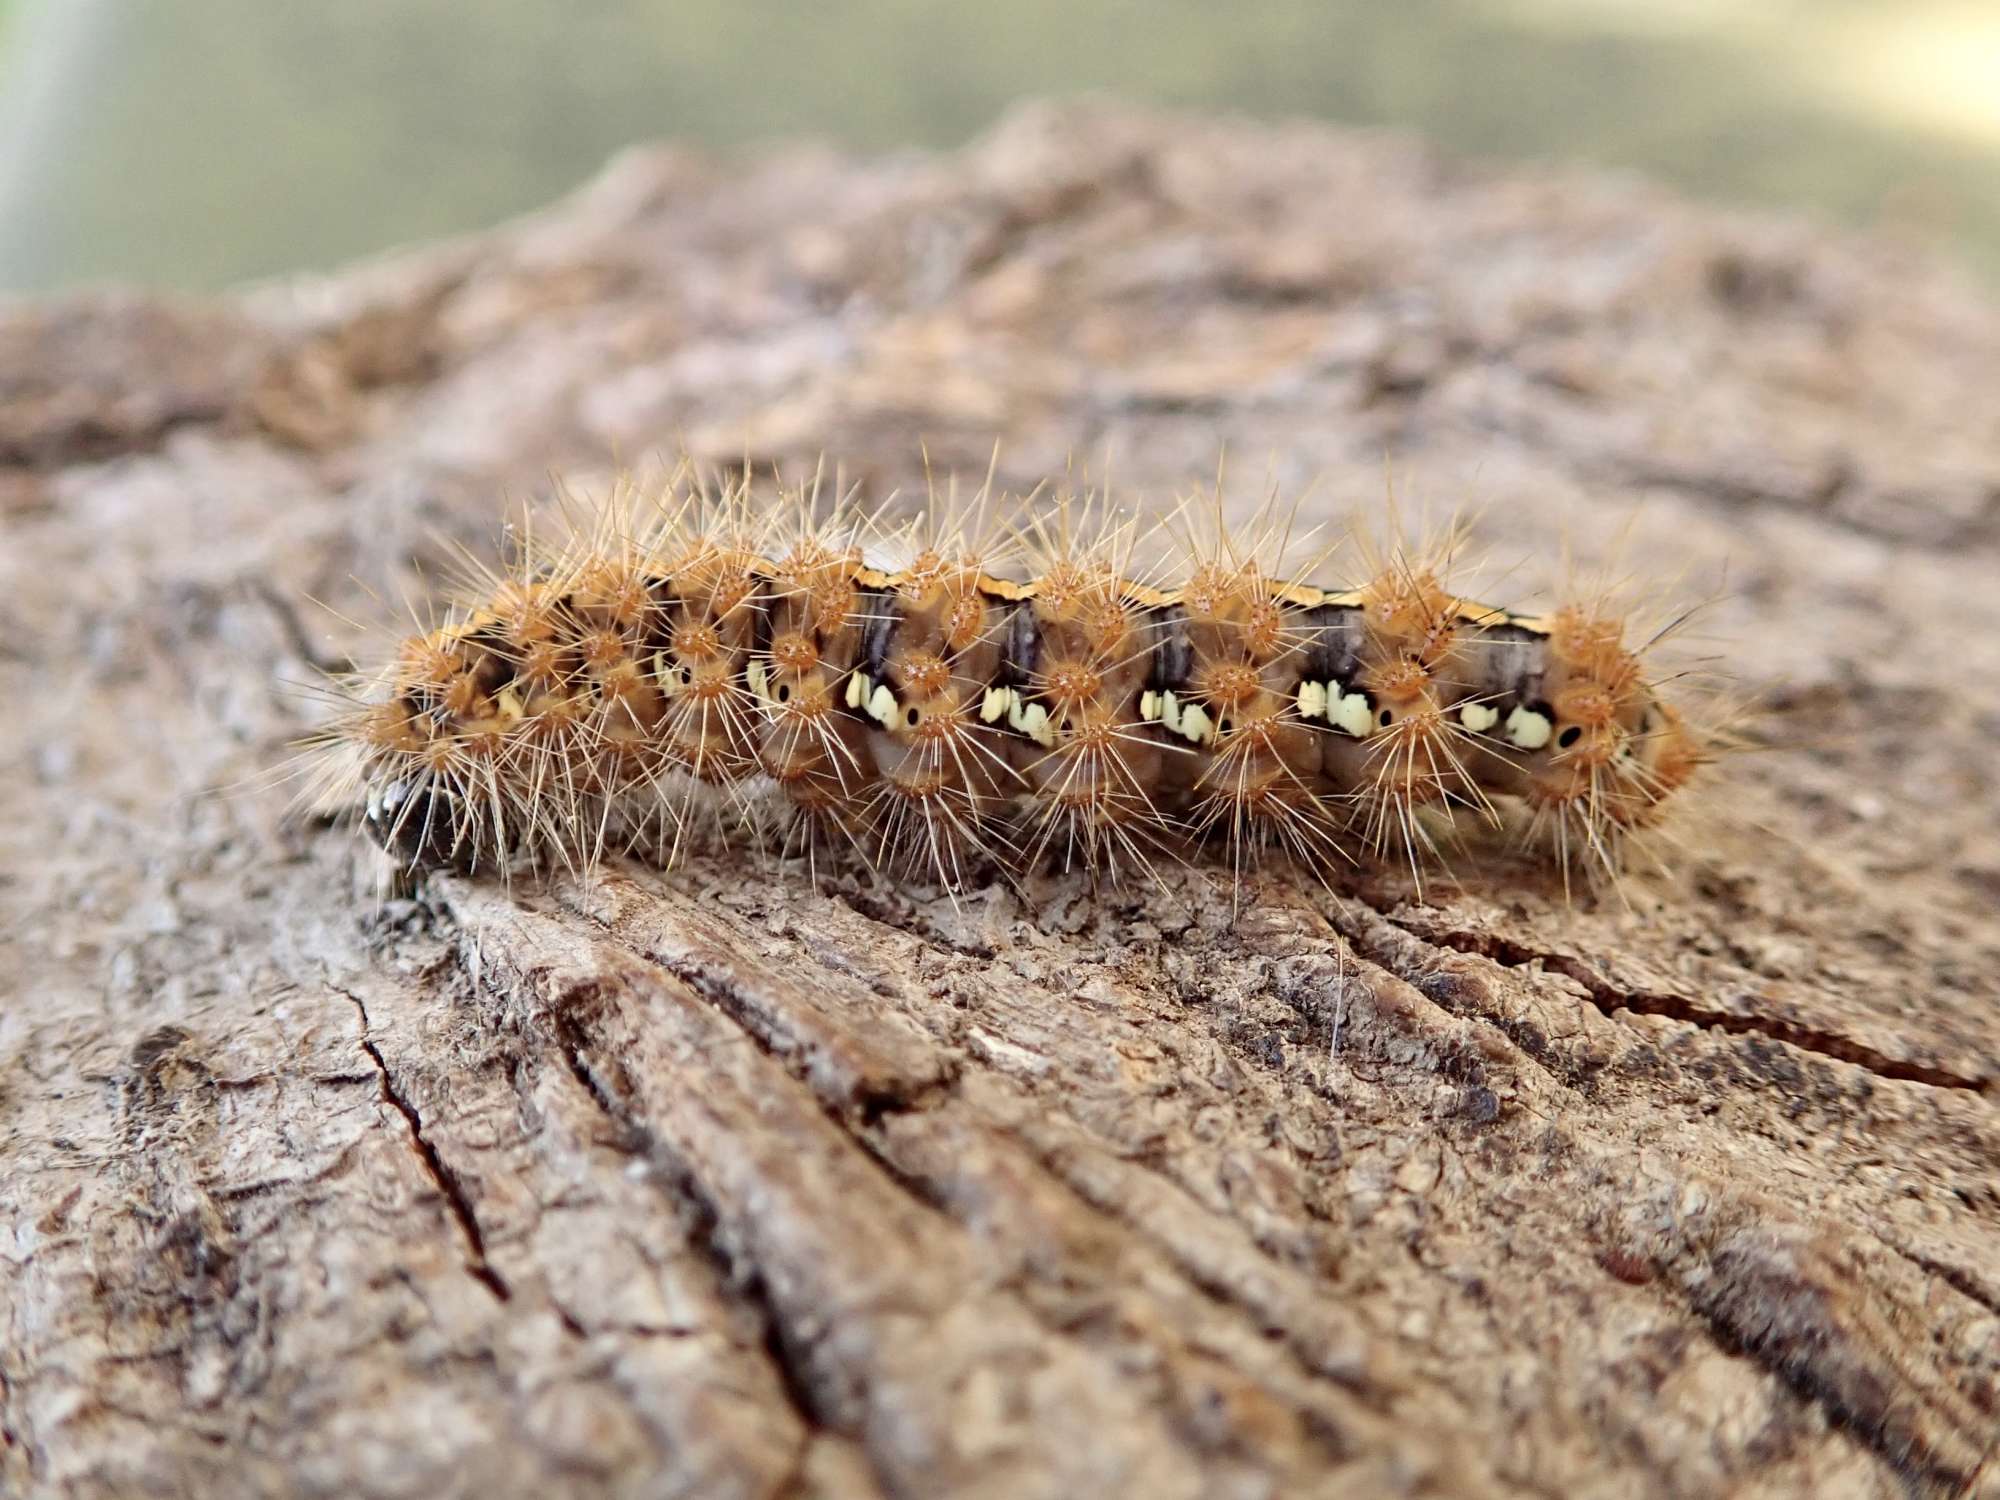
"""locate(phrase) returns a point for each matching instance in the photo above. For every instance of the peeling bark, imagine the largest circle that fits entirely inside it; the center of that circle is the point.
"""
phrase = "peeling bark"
(719, 1184)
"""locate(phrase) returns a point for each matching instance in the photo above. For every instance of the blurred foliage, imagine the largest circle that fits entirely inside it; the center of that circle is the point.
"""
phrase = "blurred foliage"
(203, 141)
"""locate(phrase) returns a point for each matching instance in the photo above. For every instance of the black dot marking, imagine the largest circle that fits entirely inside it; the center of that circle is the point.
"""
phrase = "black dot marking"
(784, 692)
(911, 716)
(1223, 727)
(1385, 718)
(1570, 736)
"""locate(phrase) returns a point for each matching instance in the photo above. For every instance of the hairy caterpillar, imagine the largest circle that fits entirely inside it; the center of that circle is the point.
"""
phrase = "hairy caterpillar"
(682, 654)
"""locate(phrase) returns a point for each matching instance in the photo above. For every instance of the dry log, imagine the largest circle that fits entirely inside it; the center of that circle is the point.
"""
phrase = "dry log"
(711, 1184)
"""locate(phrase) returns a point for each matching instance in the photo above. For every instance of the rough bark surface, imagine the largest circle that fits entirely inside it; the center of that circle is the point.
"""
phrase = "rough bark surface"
(714, 1185)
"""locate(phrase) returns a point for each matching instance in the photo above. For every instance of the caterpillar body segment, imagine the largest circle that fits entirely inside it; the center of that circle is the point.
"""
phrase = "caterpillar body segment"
(1081, 650)
(1232, 691)
(708, 718)
(935, 716)
(800, 674)
(935, 641)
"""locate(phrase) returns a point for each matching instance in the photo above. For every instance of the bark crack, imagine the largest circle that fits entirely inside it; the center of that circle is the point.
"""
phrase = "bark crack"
(1611, 998)
(702, 1220)
(871, 1101)
(456, 1202)
(1785, 1324)
(1955, 1277)
(1756, 1305)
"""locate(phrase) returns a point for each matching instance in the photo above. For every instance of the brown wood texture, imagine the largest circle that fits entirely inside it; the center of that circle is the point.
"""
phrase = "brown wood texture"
(712, 1184)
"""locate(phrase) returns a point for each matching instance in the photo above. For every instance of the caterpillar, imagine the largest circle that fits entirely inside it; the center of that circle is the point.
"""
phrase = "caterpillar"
(945, 696)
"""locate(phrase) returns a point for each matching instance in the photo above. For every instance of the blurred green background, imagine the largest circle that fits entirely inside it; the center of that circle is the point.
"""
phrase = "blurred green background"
(193, 143)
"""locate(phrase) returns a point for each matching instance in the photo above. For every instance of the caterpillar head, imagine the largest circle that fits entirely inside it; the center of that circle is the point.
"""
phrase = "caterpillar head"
(417, 823)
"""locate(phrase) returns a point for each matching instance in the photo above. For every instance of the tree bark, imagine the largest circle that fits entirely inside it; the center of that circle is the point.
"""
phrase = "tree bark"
(715, 1184)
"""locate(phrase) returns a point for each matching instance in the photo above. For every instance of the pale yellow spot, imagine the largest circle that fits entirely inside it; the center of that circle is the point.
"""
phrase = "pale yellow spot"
(1035, 724)
(1353, 713)
(882, 706)
(1528, 729)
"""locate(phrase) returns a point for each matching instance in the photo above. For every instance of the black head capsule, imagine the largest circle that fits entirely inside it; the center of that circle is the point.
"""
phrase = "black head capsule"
(418, 825)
